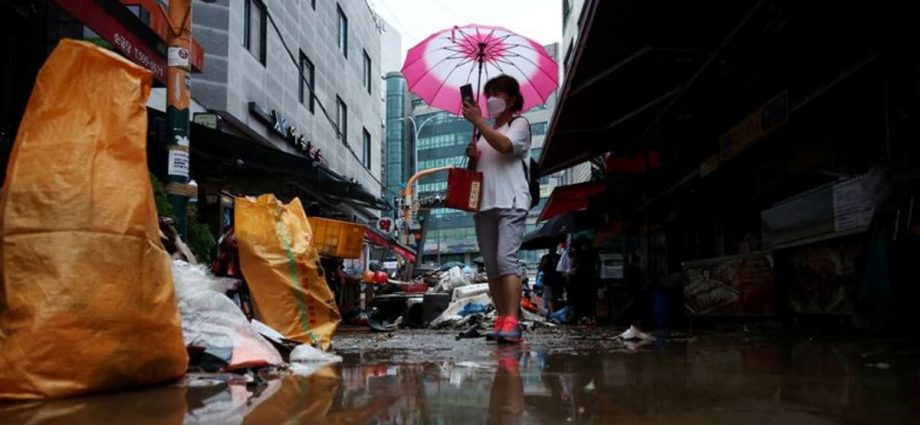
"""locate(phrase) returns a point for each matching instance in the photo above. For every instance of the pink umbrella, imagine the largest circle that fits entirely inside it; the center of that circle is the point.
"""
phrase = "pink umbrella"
(436, 68)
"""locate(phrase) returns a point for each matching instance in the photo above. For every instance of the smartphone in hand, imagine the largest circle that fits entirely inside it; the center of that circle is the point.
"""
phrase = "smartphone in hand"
(466, 93)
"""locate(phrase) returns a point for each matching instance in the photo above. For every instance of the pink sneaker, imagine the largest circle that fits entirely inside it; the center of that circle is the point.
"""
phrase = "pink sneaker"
(511, 332)
(490, 336)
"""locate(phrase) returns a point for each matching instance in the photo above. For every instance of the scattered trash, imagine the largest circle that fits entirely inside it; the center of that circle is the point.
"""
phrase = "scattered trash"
(470, 291)
(384, 326)
(282, 343)
(173, 243)
(212, 320)
(635, 335)
(454, 278)
(562, 316)
(305, 359)
(470, 333)
(472, 308)
(527, 316)
(451, 314)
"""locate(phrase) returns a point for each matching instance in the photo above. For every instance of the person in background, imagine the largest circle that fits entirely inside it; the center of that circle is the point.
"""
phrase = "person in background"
(501, 153)
(585, 280)
(553, 281)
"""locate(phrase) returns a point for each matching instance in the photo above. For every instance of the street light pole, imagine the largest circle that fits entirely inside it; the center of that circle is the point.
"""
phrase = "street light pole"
(177, 116)
(416, 130)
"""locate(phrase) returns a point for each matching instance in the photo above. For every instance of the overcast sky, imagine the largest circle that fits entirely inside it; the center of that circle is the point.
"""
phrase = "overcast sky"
(415, 20)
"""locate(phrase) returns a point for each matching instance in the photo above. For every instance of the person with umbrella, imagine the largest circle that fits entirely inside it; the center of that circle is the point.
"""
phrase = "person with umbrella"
(498, 152)
(520, 74)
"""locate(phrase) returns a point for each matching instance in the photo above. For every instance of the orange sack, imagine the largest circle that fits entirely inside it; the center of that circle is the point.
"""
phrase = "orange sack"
(86, 292)
(281, 267)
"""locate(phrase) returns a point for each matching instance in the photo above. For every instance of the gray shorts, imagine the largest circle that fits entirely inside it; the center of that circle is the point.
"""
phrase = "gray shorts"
(500, 232)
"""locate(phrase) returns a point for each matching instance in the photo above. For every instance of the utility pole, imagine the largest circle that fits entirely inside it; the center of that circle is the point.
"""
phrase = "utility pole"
(177, 115)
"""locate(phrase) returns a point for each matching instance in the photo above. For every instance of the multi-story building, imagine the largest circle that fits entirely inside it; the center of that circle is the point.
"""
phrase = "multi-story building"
(442, 140)
(400, 149)
(309, 66)
(573, 19)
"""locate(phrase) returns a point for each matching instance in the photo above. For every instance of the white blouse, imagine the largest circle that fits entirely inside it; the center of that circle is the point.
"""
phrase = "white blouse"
(504, 178)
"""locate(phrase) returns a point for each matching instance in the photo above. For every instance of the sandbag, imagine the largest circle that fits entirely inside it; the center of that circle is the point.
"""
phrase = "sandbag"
(282, 269)
(86, 294)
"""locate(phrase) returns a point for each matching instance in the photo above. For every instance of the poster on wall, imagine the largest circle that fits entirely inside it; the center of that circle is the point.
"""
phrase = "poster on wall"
(736, 285)
(853, 207)
(822, 277)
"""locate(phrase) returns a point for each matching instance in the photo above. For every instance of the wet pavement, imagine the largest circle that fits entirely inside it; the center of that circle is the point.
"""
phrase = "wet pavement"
(560, 376)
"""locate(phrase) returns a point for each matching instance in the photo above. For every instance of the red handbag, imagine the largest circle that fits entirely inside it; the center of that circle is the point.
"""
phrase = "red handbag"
(464, 188)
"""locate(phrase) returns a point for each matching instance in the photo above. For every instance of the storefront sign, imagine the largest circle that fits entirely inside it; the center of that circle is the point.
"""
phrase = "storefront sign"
(822, 277)
(279, 124)
(112, 30)
(853, 207)
(385, 225)
(755, 127)
(737, 285)
(207, 119)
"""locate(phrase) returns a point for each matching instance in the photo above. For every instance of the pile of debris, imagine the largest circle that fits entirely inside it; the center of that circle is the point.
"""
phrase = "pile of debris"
(453, 298)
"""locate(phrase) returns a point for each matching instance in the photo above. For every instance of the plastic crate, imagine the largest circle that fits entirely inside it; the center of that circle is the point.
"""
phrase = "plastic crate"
(334, 238)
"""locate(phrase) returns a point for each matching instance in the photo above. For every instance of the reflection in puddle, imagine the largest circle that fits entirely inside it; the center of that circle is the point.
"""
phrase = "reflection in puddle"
(696, 382)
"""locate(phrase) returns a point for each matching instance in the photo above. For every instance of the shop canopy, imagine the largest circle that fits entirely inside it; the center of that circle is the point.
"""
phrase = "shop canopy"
(234, 157)
(141, 40)
(555, 229)
(570, 198)
(633, 62)
(387, 241)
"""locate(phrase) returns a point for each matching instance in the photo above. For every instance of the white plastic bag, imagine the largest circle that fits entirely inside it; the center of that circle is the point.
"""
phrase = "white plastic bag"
(470, 291)
(212, 320)
(451, 313)
(306, 359)
(456, 277)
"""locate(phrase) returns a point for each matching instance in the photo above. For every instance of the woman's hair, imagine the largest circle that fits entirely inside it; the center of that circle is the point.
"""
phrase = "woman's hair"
(508, 85)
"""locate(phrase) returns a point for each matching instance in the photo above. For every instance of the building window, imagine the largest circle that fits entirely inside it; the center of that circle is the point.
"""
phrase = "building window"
(538, 129)
(341, 119)
(307, 79)
(367, 72)
(568, 56)
(254, 29)
(343, 31)
(535, 153)
(566, 11)
(581, 17)
(366, 158)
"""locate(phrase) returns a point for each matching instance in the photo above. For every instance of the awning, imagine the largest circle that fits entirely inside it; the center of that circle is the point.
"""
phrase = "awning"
(141, 43)
(555, 229)
(570, 198)
(230, 154)
(633, 61)
(389, 242)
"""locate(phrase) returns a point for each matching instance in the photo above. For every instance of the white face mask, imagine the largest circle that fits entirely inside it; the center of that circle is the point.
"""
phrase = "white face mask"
(496, 106)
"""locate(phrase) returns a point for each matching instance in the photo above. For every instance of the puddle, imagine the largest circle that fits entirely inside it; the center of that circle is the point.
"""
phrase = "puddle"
(700, 381)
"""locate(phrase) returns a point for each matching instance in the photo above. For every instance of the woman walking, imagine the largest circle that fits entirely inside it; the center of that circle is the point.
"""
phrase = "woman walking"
(502, 152)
